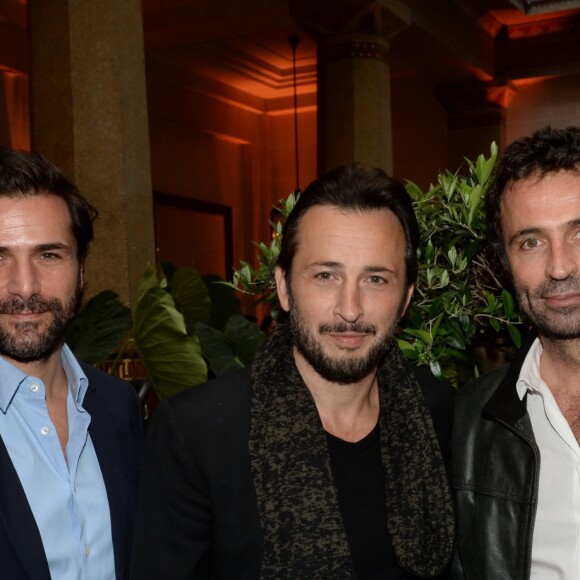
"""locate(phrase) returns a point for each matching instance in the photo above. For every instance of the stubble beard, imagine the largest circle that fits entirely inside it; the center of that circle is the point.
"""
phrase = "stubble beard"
(36, 341)
(560, 324)
(346, 369)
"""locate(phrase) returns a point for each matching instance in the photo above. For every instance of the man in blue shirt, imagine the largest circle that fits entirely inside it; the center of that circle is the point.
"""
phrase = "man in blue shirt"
(70, 436)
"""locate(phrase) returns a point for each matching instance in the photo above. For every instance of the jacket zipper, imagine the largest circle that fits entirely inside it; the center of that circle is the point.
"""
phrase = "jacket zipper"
(536, 451)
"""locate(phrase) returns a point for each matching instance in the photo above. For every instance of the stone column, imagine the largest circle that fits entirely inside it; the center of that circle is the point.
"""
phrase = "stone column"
(354, 95)
(89, 116)
(354, 101)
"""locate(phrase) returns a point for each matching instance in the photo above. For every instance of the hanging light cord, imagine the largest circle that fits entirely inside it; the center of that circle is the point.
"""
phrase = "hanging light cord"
(294, 40)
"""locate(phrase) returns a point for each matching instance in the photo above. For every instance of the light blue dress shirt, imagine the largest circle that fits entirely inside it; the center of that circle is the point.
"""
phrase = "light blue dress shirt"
(67, 496)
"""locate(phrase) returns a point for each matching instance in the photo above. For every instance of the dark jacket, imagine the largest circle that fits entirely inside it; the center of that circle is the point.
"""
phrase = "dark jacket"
(117, 435)
(197, 514)
(496, 468)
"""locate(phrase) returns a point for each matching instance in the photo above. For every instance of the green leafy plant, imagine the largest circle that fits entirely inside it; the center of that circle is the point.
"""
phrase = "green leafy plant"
(459, 301)
(259, 282)
(184, 328)
(99, 327)
(162, 333)
(233, 348)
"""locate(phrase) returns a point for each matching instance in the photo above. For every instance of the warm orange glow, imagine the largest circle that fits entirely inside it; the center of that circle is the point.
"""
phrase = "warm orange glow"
(501, 96)
(478, 73)
(16, 94)
(531, 81)
(280, 112)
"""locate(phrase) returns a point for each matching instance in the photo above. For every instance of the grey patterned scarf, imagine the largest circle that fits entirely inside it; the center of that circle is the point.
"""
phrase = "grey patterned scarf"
(304, 536)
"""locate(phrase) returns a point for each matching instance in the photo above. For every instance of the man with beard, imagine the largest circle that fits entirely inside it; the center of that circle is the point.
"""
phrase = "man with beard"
(70, 436)
(516, 455)
(326, 458)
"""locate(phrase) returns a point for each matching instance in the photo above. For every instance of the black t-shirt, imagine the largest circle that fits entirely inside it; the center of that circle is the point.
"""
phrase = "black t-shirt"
(359, 477)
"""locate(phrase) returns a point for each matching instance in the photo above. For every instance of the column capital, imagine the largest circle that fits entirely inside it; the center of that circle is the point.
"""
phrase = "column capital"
(355, 45)
(385, 18)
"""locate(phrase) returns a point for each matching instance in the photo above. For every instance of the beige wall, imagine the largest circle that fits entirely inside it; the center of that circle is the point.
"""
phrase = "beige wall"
(554, 102)
(209, 149)
(419, 132)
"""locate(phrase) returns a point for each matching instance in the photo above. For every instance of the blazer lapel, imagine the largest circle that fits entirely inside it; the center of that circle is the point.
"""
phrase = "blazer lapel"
(105, 438)
(19, 523)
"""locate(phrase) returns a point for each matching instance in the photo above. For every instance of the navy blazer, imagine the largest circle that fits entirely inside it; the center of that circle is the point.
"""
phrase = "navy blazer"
(116, 431)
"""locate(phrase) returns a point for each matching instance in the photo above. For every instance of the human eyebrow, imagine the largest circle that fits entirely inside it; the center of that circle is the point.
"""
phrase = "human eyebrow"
(57, 249)
(524, 233)
(324, 264)
(536, 231)
(378, 270)
(52, 246)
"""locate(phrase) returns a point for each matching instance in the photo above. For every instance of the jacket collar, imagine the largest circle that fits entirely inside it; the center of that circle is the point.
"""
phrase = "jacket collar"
(104, 435)
(504, 403)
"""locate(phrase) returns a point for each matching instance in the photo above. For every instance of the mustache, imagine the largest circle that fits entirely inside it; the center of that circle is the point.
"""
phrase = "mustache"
(35, 304)
(357, 327)
(551, 287)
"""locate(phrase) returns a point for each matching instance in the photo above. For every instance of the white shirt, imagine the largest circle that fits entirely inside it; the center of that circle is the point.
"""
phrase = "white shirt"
(556, 539)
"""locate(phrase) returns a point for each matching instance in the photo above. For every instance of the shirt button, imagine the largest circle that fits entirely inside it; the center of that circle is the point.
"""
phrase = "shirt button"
(45, 430)
(34, 388)
(87, 550)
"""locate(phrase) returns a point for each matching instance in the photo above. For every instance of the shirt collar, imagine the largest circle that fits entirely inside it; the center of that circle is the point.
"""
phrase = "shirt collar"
(77, 379)
(530, 379)
(12, 378)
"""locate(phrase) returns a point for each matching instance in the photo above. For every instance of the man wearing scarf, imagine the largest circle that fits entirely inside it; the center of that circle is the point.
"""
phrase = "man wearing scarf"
(326, 459)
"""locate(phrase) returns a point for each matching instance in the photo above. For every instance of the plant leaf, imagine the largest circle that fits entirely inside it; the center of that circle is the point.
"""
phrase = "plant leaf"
(436, 368)
(224, 301)
(515, 335)
(246, 337)
(218, 349)
(420, 334)
(99, 327)
(172, 359)
(191, 297)
(508, 303)
(407, 349)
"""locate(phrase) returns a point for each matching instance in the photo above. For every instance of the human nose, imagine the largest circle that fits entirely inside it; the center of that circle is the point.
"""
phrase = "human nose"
(562, 261)
(23, 280)
(349, 304)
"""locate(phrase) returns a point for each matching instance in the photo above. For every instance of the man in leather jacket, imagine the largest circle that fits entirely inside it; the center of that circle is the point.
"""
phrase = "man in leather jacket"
(516, 458)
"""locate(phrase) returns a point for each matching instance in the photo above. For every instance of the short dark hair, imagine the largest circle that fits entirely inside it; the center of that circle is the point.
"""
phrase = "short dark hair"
(354, 188)
(545, 151)
(25, 174)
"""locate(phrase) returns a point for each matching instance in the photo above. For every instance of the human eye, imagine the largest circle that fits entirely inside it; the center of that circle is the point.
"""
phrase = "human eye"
(530, 243)
(375, 279)
(49, 256)
(324, 276)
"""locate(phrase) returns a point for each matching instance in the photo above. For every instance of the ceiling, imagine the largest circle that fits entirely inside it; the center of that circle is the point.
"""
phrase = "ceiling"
(243, 46)
(240, 49)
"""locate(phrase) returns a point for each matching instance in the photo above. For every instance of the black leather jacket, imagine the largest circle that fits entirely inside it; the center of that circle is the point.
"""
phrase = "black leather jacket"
(496, 467)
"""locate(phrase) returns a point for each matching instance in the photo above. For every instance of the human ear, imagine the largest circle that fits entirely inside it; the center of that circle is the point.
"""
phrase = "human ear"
(282, 287)
(410, 291)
